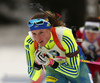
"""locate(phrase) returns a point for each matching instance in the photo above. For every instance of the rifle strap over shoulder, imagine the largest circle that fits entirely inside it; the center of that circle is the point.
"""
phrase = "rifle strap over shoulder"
(56, 40)
(35, 44)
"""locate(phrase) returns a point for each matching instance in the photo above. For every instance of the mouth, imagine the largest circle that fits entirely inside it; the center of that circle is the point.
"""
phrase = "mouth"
(40, 41)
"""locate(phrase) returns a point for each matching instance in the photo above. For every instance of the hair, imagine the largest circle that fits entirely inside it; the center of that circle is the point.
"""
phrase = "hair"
(54, 21)
(93, 19)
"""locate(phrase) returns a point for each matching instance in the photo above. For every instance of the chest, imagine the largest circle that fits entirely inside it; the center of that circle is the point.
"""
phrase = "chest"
(87, 46)
(55, 51)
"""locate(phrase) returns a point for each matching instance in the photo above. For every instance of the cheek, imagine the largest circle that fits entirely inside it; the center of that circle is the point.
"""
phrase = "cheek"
(95, 36)
(34, 37)
(43, 36)
(88, 35)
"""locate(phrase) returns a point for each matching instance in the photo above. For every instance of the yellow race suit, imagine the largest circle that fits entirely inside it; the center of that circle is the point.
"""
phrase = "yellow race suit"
(71, 66)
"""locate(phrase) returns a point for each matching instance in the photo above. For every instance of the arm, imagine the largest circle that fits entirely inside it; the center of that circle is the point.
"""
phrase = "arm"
(29, 50)
(79, 35)
(73, 64)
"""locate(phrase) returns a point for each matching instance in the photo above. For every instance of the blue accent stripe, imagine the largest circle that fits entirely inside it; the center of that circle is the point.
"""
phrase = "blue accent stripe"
(71, 44)
(76, 63)
(29, 68)
(67, 44)
(68, 71)
(30, 41)
(68, 40)
(73, 60)
(29, 58)
(31, 73)
(70, 61)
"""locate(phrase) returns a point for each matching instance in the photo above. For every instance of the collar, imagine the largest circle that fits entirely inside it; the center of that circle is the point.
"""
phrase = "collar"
(50, 44)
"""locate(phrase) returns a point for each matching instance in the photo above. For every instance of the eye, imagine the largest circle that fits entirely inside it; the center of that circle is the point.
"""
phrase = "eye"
(41, 32)
(33, 33)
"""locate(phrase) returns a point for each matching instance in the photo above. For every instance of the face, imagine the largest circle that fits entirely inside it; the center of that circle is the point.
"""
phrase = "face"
(42, 36)
(91, 36)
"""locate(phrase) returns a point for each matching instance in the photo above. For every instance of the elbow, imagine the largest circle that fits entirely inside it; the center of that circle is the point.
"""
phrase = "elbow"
(75, 75)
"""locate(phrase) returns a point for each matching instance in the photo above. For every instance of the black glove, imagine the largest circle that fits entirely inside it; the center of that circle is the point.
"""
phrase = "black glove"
(36, 66)
(91, 57)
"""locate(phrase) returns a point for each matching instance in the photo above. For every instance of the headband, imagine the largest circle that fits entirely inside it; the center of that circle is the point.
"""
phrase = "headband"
(89, 23)
(36, 24)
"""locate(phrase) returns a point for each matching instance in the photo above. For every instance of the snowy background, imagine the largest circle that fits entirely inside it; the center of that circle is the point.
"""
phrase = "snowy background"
(13, 66)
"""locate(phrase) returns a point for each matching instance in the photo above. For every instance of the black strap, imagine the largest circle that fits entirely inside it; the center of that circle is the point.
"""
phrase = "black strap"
(55, 65)
(72, 54)
(36, 66)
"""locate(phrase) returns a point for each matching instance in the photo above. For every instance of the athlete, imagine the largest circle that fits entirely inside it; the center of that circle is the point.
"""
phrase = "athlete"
(90, 45)
(90, 34)
(47, 42)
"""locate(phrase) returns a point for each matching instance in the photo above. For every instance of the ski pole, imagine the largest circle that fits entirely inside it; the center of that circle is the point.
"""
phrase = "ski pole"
(86, 61)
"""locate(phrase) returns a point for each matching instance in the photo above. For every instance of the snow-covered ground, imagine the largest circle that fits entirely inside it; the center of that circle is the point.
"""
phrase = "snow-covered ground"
(13, 65)
(12, 55)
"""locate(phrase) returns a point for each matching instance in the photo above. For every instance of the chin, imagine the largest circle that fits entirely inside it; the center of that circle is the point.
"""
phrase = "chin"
(91, 41)
(41, 45)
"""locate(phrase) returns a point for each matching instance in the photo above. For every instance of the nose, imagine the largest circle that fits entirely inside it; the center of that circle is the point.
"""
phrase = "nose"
(37, 37)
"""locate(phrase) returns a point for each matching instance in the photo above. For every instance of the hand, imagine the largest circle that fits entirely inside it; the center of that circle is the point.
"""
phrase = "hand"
(45, 59)
(40, 57)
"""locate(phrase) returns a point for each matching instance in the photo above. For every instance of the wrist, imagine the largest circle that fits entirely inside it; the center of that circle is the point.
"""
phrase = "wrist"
(52, 63)
(55, 65)
(37, 66)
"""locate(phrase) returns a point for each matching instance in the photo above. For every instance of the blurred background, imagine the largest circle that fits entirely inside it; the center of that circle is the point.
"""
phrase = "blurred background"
(14, 15)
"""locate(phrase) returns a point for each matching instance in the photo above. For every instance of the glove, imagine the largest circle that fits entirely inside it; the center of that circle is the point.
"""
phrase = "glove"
(40, 58)
(45, 59)
(37, 66)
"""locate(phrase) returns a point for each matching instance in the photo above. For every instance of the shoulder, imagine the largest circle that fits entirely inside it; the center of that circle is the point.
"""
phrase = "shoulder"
(64, 33)
(63, 30)
(28, 39)
(28, 43)
(81, 29)
(79, 33)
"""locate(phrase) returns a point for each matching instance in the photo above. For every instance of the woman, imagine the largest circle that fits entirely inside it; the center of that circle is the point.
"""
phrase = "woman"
(47, 42)
(90, 34)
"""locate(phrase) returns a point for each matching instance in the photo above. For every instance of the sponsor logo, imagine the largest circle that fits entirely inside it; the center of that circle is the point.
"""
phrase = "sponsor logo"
(51, 79)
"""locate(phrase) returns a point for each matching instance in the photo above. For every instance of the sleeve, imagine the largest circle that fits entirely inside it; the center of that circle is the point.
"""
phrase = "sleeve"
(29, 50)
(71, 67)
(79, 35)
